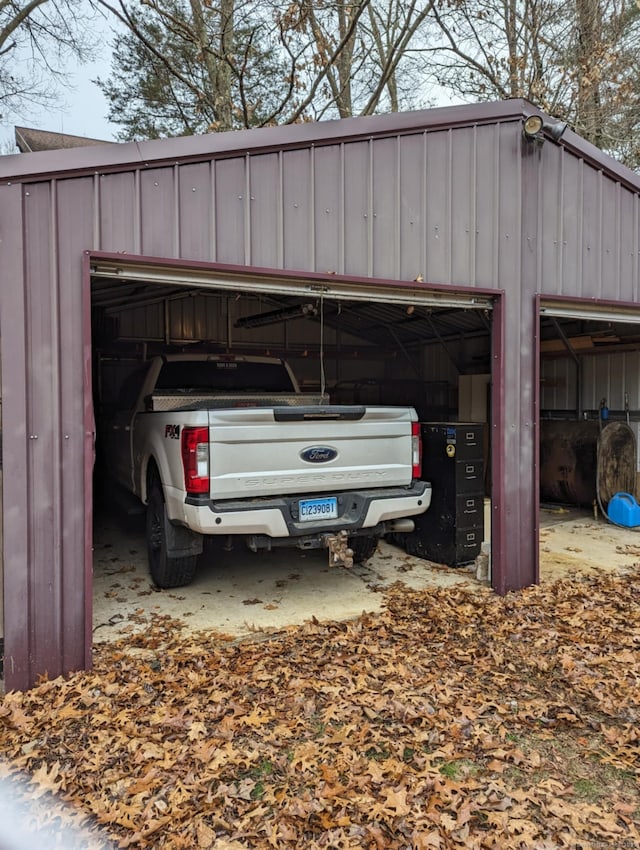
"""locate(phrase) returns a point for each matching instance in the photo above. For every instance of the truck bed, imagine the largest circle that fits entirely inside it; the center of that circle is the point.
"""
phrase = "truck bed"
(172, 401)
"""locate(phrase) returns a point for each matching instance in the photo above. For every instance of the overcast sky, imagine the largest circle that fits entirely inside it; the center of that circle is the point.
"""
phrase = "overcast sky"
(86, 110)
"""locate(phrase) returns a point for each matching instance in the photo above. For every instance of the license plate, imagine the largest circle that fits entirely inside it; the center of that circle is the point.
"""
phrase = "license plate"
(310, 509)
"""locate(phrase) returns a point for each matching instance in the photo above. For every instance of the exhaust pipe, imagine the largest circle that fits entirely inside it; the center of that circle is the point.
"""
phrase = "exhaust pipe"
(402, 526)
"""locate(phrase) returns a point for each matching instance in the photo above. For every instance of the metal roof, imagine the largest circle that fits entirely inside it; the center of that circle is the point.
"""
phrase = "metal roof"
(30, 140)
(114, 157)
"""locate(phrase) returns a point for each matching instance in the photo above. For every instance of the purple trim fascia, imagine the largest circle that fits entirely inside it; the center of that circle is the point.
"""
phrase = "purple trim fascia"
(536, 442)
(290, 275)
(154, 152)
(497, 425)
(545, 299)
(89, 448)
(113, 157)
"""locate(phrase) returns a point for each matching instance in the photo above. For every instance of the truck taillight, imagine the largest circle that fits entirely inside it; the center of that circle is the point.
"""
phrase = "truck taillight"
(195, 460)
(416, 450)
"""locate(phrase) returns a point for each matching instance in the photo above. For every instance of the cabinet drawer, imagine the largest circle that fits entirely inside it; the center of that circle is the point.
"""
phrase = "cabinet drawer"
(451, 546)
(453, 440)
(469, 510)
(462, 511)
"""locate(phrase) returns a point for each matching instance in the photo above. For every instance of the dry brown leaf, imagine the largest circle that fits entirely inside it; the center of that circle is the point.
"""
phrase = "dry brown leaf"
(454, 718)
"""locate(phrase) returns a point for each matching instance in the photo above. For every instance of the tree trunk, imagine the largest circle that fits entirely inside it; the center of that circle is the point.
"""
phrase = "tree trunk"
(589, 22)
(218, 67)
(511, 30)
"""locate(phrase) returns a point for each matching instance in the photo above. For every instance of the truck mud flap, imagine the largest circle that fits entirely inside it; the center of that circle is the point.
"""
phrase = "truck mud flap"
(180, 541)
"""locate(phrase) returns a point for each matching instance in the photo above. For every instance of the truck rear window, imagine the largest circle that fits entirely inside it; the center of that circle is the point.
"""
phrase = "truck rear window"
(224, 376)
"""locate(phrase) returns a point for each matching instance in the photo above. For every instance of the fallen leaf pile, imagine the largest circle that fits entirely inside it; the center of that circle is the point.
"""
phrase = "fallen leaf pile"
(454, 719)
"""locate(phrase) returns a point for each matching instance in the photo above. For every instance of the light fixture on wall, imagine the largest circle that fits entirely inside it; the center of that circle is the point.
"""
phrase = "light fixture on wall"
(534, 129)
(273, 317)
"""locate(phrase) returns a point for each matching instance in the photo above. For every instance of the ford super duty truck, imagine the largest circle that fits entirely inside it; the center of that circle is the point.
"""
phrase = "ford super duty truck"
(229, 446)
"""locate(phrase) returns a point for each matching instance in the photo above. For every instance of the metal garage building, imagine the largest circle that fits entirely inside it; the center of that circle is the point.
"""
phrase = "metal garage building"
(449, 209)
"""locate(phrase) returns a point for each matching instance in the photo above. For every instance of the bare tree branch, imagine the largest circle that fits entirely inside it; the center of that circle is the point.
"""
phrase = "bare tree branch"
(18, 19)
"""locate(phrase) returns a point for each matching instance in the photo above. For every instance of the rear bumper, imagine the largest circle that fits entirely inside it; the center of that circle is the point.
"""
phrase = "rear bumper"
(278, 517)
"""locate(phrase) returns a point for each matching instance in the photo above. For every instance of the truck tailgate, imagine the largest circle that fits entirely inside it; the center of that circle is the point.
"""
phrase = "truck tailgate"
(370, 447)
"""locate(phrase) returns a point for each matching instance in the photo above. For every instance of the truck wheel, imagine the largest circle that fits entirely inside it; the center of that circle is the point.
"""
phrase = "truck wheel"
(165, 571)
(363, 548)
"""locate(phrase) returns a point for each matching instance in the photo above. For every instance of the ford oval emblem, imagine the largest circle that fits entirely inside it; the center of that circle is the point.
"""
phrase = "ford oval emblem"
(318, 454)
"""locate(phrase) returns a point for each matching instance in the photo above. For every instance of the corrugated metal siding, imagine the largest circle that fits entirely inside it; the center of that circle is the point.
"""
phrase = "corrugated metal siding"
(231, 211)
(517, 439)
(297, 210)
(607, 377)
(425, 204)
(589, 230)
(487, 234)
(73, 231)
(411, 207)
(118, 209)
(201, 317)
(43, 423)
(44, 552)
(558, 390)
(146, 323)
(266, 241)
(19, 577)
(159, 212)
(401, 198)
(357, 212)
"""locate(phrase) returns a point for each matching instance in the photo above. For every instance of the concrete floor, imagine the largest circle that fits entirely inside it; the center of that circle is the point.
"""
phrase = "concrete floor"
(241, 593)
(575, 541)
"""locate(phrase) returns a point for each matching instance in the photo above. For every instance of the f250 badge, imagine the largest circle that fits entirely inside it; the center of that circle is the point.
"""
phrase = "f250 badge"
(172, 432)
(318, 454)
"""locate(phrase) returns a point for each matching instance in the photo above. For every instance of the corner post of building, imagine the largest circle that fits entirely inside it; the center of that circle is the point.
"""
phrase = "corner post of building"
(17, 623)
(525, 343)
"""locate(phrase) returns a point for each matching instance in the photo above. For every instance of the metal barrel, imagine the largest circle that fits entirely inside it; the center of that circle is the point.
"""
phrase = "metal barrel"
(580, 463)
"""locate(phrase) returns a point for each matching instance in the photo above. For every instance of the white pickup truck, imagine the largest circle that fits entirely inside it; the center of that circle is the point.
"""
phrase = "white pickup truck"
(228, 445)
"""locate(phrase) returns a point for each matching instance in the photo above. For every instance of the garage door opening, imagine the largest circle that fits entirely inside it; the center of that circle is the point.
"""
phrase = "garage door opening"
(589, 428)
(358, 344)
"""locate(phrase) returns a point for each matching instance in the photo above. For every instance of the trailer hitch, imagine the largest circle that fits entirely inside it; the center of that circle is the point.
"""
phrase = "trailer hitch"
(340, 555)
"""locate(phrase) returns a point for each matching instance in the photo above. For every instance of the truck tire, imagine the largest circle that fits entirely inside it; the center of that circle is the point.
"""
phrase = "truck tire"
(363, 548)
(166, 571)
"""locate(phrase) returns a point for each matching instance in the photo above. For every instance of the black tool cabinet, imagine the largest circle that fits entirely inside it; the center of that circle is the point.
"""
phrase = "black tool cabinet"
(452, 529)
